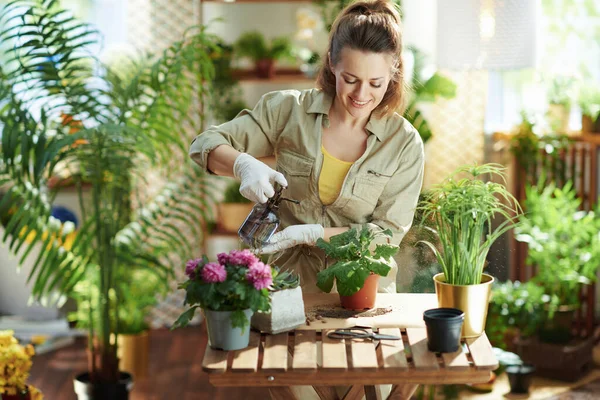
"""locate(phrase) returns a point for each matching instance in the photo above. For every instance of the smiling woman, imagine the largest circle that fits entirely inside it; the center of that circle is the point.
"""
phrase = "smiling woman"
(342, 149)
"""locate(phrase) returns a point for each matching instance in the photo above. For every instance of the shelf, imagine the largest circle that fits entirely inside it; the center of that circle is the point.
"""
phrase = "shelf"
(281, 76)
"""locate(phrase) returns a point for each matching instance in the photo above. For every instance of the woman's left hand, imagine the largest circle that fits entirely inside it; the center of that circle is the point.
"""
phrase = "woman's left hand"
(293, 236)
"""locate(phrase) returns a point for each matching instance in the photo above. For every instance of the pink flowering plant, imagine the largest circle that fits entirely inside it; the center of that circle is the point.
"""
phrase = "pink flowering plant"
(236, 282)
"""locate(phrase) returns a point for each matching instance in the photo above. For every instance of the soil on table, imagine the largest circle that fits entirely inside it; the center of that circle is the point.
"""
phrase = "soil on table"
(321, 313)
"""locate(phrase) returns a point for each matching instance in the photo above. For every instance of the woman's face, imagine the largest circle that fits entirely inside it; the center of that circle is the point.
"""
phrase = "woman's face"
(361, 80)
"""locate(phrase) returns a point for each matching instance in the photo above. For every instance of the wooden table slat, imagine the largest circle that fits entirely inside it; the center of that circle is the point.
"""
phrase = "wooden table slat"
(392, 350)
(214, 360)
(457, 360)
(422, 357)
(247, 359)
(481, 353)
(305, 351)
(363, 353)
(334, 353)
(275, 356)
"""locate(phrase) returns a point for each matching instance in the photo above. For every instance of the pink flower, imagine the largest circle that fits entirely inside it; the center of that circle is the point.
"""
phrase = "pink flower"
(191, 266)
(223, 258)
(259, 274)
(213, 273)
(242, 257)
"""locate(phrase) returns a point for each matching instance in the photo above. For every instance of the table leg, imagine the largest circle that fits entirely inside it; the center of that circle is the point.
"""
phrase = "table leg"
(373, 393)
(355, 392)
(402, 392)
(281, 393)
(326, 392)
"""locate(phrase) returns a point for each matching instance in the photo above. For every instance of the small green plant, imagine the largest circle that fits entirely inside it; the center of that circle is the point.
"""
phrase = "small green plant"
(560, 90)
(233, 195)
(253, 45)
(589, 101)
(355, 261)
(462, 211)
(563, 242)
(284, 280)
(514, 305)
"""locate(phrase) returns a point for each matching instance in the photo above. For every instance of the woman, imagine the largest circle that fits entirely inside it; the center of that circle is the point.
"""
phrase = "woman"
(341, 149)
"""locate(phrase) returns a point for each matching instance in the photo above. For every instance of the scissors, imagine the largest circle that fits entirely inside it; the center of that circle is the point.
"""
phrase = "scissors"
(359, 333)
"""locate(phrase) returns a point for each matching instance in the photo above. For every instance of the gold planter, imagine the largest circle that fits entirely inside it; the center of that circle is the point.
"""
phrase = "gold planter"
(133, 353)
(473, 300)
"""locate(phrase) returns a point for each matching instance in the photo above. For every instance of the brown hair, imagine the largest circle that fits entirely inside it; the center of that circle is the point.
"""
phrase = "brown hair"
(372, 26)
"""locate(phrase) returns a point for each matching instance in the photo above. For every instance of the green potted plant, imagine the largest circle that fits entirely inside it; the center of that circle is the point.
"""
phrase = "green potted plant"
(228, 291)
(287, 305)
(560, 97)
(563, 243)
(515, 310)
(310, 62)
(253, 45)
(357, 268)
(462, 209)
(589, 101)
(123, 127)
(134, 305)
(233, 209)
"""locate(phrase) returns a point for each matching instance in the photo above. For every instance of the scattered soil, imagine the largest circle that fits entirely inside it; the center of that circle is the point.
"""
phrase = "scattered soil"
(321, 313)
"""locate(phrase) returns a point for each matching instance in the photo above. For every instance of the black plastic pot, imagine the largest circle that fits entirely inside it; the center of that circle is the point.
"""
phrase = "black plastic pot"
(443, 329)
(519, 377)
(85, 390)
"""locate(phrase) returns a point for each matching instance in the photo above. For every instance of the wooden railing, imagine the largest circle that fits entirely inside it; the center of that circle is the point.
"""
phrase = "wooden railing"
(579, 164)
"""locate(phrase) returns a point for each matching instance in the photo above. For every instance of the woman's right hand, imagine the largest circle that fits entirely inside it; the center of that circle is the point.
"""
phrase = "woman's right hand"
(257, 178)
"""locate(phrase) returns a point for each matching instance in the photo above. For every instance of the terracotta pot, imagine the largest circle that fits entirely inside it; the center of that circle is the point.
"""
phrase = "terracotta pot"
(590, 126)
(365, 298)
(558, 328)
(233, 215)
(265, 68)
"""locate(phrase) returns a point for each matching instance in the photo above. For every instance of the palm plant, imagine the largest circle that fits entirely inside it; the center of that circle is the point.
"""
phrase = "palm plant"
(117, 128)
(462, 211)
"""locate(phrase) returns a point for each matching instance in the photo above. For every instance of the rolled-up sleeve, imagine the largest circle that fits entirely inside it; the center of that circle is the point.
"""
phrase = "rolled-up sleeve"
(397, 204)
(251, 131)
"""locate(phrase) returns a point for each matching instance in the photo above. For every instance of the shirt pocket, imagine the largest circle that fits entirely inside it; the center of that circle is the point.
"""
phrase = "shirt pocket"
(297, 171)
(367, 189)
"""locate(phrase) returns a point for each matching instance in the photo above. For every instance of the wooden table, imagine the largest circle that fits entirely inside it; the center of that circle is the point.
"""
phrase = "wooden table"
(307, 356)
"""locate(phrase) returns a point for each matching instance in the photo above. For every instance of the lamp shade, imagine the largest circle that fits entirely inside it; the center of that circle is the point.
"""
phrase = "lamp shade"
(486, 34)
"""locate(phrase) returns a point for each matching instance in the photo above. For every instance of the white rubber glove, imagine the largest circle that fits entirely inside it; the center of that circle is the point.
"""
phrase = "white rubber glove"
(256, 178)
(293, 236)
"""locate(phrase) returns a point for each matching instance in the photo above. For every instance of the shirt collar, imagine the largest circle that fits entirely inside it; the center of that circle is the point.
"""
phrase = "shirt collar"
(321, 103)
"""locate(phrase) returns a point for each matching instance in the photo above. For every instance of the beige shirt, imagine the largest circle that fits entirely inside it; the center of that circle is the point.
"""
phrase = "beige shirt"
(381, 188)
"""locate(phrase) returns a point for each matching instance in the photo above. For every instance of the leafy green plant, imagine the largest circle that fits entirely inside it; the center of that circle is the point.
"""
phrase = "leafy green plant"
(284, 280)
(425, 89)
(589, 101)
(233, 195)
(560, 90)
(514, 305)
(254, 46)
(118, 127)
(238, 281)
(355, 261)
(462, 210)
(563, 242)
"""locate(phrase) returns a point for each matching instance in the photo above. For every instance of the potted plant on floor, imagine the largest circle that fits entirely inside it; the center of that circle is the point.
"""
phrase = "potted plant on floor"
(228, 291)
(253, 45)
(234, 208)
(462, 209)
(357, 269)
(589, 101)
(127, 125)
(287, 305)
(563, 243)
(15, 363)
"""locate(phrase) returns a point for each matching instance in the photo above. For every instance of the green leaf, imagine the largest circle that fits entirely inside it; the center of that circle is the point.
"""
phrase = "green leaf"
(239, 320)
(185, 318)
(325, 280)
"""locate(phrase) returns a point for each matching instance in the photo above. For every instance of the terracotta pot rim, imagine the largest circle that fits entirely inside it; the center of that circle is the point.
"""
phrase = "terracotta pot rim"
(487, 277)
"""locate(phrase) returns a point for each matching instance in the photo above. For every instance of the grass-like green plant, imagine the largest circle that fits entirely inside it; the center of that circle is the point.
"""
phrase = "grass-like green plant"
(462, 210)
(354, 260)
(254, 46)
(118, 126)
(562, 240)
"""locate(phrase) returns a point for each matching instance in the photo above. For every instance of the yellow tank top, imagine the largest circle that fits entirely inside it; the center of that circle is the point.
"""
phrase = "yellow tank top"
(332, 177)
